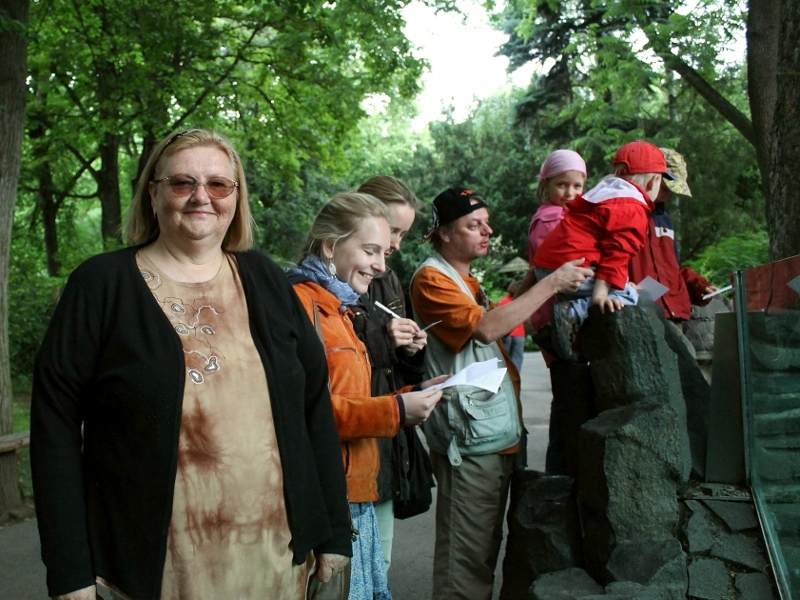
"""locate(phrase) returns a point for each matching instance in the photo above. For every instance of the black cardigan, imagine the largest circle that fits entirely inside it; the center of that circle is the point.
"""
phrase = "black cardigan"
(110, 361)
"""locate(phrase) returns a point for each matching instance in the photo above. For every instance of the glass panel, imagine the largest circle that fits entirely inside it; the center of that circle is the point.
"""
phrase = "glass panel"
(769, 331)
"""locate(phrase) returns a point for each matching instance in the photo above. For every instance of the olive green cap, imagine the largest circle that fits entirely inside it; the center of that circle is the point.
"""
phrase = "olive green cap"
(676, 165)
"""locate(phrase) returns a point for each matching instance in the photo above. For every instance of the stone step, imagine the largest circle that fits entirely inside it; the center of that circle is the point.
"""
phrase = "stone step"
(779, 442)
(781, 493)
(781, 330)
(777, 465)
(767, 402)
(777, 423)
(771, 357)
(773, 382)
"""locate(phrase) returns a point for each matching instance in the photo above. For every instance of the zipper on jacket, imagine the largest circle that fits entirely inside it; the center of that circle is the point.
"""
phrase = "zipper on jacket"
(341, 349)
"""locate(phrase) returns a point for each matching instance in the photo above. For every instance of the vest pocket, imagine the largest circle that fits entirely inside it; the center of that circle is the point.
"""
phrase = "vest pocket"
(479, 416)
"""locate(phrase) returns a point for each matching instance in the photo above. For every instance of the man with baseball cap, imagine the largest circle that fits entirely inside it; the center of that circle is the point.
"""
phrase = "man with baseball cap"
(475, 434)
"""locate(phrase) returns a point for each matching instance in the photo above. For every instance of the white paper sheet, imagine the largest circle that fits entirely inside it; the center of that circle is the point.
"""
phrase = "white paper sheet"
(795, 284)
(719, 291)
(485, 375)
(653, 288)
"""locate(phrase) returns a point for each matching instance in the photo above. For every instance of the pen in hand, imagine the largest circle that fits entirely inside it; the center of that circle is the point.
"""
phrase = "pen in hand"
(396, 316)
(428, 326)
(388, 310)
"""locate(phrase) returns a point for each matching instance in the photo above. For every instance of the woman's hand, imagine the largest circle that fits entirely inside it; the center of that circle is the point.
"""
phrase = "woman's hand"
(328, 564)
(406, 334)
(403, 332)
(419, 405)
(570, 276)
(419, 342)
(435, 381)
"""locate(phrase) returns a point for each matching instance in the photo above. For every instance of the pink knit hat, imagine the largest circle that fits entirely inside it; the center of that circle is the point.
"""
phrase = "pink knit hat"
(562, 161)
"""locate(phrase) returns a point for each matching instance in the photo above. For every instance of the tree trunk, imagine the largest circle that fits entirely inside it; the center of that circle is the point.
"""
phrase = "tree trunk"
(49, 205)
(108, 190)
(784, 215)
(45, 194)
(13, 70)
(763, 27)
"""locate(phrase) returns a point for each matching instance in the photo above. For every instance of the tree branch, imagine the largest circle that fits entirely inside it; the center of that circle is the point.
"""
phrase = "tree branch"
(86, 164)
(214, 85)
(733, 115)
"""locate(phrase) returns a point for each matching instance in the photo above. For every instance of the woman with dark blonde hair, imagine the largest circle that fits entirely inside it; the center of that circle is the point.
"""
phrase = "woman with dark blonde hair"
(395, 347)
(345, 250)
(182, 438)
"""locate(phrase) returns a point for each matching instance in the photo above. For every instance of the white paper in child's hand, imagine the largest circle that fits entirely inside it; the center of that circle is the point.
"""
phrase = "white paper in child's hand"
(653, 288)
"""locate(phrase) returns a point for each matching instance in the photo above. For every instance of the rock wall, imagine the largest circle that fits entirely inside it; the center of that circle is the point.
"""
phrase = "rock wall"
(628, 522)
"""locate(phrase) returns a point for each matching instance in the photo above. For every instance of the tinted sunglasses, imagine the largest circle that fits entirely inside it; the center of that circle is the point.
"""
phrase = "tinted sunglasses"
(184, 185)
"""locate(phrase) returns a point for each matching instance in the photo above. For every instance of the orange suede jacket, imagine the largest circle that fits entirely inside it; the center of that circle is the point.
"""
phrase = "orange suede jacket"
(360, 418)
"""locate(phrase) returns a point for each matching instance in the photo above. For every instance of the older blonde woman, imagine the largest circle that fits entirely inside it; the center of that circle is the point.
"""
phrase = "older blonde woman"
(182, 438)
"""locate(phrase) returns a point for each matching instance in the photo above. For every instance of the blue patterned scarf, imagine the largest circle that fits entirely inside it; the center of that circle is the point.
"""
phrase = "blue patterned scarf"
(314, 270)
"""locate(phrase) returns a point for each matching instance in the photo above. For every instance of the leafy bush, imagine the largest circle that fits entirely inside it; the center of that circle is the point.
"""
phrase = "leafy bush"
(22, 422)
(32, 295)
(733, 253)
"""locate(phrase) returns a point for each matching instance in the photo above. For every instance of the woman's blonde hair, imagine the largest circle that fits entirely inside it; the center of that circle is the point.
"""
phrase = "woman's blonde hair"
(389, 191)
(340, 219)
(141, 224)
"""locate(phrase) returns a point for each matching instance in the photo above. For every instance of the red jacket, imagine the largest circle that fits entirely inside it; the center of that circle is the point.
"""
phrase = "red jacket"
(360, 418)
(659, 260)
(606, 226)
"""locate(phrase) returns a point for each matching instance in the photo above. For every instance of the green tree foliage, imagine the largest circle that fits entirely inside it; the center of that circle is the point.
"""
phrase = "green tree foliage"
(285, 79)
(610, 79)
(487, 151)
(731, 254)
(108, 78)
(611, 64)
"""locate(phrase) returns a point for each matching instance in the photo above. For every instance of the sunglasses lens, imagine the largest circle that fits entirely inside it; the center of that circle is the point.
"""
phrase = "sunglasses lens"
(216, 187)
(182, 186)
(219, 187)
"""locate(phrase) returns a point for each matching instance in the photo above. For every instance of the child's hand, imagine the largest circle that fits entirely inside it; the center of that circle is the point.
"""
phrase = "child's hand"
(604, 302)
(600, 297)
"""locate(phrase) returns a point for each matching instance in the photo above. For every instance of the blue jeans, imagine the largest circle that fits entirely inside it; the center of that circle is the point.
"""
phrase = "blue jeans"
(515, 346)
(581, 299)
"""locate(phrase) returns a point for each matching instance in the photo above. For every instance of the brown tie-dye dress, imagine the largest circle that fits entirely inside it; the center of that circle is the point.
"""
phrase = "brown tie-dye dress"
(229, 535)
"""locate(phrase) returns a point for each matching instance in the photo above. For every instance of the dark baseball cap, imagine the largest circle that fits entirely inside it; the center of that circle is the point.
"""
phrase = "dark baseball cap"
(452, 204)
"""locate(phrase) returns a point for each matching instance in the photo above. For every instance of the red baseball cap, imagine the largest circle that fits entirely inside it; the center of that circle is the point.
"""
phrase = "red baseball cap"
(642, 157)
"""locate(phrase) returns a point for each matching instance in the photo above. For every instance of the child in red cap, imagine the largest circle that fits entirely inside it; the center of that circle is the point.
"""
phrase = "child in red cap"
(605, 227)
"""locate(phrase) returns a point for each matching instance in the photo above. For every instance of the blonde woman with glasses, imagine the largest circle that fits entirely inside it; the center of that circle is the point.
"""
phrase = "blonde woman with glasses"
(183, 443)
